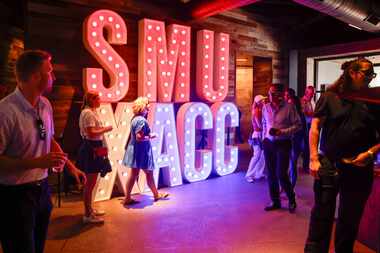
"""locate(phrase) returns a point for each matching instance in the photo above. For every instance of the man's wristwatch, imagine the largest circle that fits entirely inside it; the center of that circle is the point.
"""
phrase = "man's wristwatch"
(371, 153)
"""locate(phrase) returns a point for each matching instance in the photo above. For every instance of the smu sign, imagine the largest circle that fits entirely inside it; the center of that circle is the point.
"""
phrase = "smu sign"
(164, 77)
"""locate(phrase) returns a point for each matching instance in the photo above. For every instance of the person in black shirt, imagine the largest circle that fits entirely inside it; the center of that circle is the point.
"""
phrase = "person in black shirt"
(347, 132)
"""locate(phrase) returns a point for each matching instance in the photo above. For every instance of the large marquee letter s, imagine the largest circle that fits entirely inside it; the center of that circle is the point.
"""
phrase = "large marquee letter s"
(99, 48)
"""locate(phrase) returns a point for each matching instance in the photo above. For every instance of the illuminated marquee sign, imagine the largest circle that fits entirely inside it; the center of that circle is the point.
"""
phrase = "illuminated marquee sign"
(164, 64)
(115, 66)
(163, 77)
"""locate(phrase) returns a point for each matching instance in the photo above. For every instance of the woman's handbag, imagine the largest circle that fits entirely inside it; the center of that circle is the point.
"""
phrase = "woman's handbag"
(106, 167)
(100, 152)
(101, 155)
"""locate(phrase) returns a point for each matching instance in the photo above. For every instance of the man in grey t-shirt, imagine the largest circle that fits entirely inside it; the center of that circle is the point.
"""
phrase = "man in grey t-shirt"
(27, 150)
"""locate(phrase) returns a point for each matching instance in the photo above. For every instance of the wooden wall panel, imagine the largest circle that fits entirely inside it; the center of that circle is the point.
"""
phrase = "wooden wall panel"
(244, 94)
(11, 46)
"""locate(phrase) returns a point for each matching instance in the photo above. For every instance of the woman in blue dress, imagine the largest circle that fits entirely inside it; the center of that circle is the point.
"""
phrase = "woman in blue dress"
(138, 155)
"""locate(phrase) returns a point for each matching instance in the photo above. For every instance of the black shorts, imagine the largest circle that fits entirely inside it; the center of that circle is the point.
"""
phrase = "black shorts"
(88, 161)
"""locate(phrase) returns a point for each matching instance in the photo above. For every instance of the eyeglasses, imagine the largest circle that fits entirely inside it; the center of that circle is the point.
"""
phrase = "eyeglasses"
(368, 73)
(41, 128)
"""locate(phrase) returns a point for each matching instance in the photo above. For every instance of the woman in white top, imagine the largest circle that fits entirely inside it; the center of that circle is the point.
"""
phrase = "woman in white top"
(92, 158)
(257, 164)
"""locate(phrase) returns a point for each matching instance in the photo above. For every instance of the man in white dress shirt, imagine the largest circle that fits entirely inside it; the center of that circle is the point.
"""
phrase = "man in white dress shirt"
(27, 150)
(280, 122)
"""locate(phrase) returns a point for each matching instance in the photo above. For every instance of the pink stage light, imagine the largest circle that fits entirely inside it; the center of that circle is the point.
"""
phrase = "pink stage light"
(212, 66)
(101, 49)
(164, 61)
(203, 9)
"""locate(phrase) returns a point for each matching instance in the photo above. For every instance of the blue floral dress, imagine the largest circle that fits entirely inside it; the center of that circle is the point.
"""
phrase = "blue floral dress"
(139, 153)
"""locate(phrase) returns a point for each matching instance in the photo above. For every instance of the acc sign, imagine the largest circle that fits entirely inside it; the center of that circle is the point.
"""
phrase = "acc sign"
(163, 77)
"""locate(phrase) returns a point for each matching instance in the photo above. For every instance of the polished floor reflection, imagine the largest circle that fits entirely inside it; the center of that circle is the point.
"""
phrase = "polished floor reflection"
(218, 215)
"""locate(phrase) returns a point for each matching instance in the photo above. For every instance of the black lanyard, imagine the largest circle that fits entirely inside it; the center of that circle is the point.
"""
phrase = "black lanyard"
(40, 125)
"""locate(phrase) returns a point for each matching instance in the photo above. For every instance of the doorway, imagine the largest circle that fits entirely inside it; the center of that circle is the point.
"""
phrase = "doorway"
(253, 77)
(262, 75)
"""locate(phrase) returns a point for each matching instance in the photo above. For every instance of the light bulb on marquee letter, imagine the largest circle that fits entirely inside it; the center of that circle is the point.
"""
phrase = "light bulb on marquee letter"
(212, 65)
(196, 164)
(225, 157)
(164, 61)
(99, 48)
(165, 146)
(115, 140)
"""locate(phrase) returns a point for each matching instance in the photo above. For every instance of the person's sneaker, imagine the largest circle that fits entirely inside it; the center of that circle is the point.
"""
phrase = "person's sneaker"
(250, 180)
(98, 212)
(292, 206)
(273, 206)
(92, 219)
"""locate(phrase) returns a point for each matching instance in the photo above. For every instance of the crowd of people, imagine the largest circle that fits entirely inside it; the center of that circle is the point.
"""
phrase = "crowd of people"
(302, 112)
(338, 137)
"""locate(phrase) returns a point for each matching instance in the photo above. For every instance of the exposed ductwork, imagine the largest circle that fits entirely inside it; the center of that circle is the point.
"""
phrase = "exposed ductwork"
(364, 14)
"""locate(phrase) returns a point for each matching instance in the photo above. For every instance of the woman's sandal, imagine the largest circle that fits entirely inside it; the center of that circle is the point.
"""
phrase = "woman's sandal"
(161, 196)
(130, 202)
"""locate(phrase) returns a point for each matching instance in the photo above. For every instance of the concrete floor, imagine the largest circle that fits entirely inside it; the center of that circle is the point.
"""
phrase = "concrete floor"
(218, 215)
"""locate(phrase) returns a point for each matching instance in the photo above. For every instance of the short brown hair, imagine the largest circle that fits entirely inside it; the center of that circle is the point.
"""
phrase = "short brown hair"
(279, 87)
(87, 97)
(29, 62)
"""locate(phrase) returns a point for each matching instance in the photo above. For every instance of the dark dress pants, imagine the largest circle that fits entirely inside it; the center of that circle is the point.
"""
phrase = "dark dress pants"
(306, 149)
(277, 156)
(25, 214)
(295, 153)
(354, 186)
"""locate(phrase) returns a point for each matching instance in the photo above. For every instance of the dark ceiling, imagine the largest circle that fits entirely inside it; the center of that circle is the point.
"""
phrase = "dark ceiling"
(303, 27)
(299, 26)
(13, 12)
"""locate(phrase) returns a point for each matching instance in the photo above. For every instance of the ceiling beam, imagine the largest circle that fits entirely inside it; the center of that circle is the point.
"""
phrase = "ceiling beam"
(203, 9)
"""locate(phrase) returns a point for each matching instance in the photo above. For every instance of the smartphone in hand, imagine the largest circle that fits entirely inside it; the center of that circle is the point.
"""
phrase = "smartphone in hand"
(274, 131)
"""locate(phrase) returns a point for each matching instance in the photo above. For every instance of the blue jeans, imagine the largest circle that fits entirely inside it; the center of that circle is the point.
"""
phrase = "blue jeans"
(297, 143)
(306, 148)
